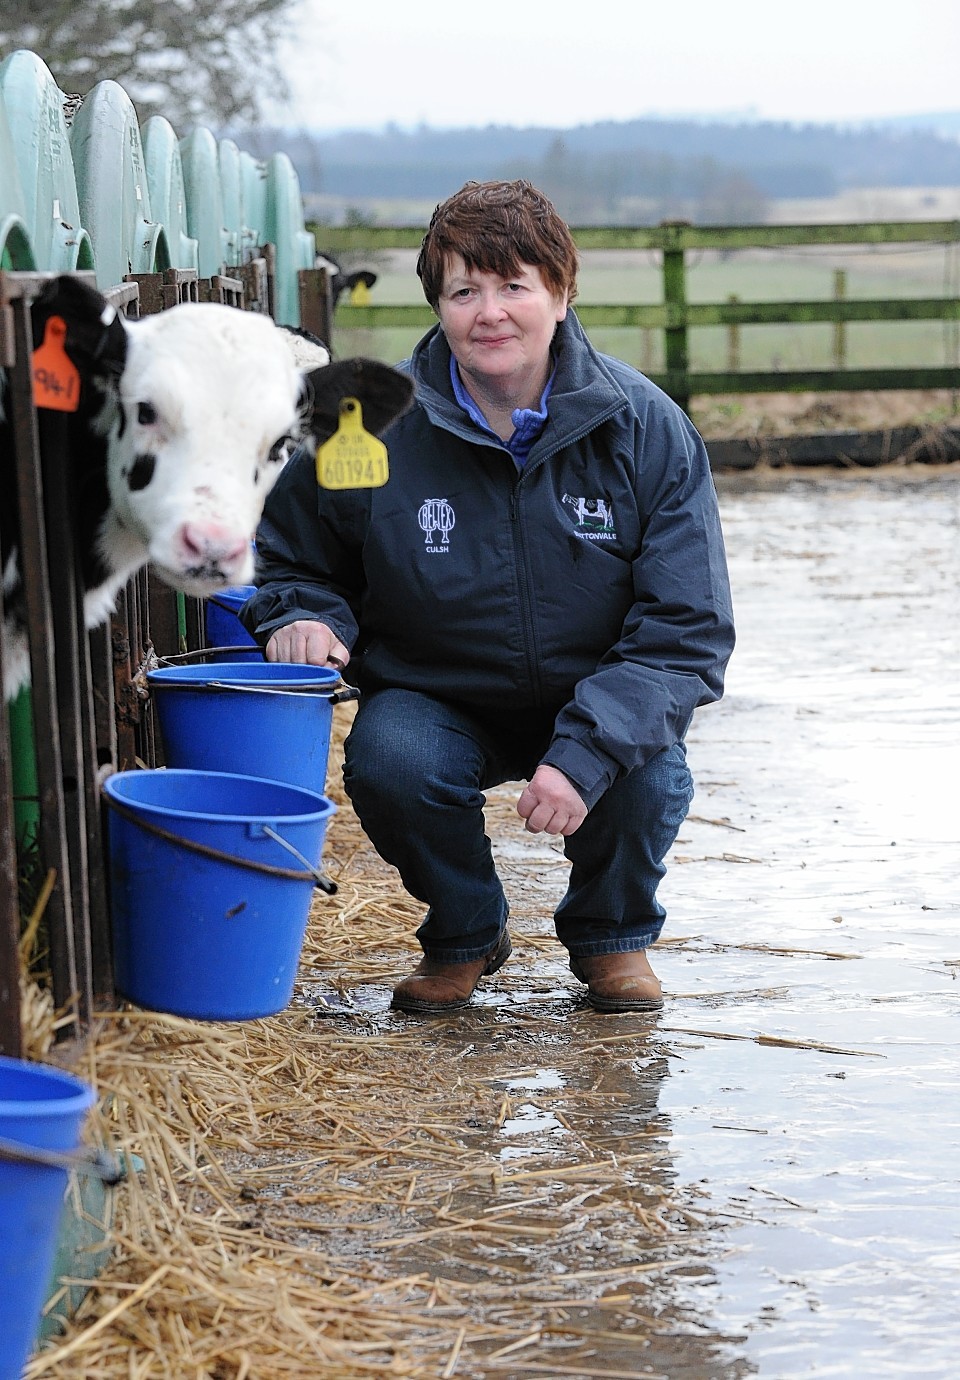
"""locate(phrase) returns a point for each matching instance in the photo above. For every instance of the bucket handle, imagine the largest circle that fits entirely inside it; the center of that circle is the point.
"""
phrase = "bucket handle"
(248, 649)
(99, 1163)
(199, 653)
(340, 696)
(285, 843)
(313, 874)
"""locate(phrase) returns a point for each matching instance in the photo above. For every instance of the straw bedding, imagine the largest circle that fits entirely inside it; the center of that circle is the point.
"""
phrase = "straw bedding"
(343, 1191)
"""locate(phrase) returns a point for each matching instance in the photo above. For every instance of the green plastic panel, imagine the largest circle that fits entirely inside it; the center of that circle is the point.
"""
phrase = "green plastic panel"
(112, 187)
(101, 194)
(285, 228)
(205, 218)
(231, 185)
(168, 197)
(253, 176)
(34, 106)
(16, 250)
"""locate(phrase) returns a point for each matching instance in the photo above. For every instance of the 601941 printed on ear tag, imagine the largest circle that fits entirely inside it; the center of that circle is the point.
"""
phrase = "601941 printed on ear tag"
(352, 458)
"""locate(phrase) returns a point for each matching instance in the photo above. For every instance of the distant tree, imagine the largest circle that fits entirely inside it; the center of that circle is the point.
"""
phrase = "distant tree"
(190, 60)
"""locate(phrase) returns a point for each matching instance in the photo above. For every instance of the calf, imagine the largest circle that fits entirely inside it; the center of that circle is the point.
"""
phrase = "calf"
(184, 421)
(340, 281)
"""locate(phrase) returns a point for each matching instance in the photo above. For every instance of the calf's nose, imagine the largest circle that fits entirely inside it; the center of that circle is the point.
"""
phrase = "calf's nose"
(210, 543)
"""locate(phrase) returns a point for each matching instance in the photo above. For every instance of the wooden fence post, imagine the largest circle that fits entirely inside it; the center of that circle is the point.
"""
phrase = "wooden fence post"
(675, 298)
(839, 327)
(733, 340)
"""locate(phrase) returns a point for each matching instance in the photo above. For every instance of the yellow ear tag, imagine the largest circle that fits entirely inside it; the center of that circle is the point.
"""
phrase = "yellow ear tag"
(56, 379)
(352, 458)
(360, 295)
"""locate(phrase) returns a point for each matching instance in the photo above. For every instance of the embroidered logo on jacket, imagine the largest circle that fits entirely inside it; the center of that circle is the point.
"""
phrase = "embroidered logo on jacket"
(437, 520)
(594, 518)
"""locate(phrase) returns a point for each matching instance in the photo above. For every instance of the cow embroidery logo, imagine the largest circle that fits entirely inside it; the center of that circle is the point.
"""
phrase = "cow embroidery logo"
(594, 518)
(437, 518)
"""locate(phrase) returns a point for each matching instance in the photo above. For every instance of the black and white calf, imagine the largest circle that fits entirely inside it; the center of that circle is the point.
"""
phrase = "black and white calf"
(341, 281)
(184, 422)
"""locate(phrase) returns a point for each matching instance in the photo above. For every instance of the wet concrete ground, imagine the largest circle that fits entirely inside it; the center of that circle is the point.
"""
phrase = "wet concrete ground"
(800, 1093)
(834, 761)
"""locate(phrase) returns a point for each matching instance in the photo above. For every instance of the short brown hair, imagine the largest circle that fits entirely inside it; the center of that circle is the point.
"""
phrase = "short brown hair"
(495, 227)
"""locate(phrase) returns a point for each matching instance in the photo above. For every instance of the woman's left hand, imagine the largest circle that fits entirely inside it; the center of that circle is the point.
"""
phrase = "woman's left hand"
(550, 803)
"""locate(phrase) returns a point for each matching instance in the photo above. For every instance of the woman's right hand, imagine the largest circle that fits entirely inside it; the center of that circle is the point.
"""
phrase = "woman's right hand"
(307, 642)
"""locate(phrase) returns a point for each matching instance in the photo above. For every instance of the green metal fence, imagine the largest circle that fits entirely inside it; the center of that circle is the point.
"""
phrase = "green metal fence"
(675, 316)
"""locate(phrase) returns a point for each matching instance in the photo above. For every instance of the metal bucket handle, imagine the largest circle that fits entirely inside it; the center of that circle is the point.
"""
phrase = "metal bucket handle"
(199, 653)
(312, 874)
(343, 694)
(99, 1163)
(339, 696)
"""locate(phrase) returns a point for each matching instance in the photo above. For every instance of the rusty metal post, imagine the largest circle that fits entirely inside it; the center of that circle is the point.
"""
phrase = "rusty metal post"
(74, 699)
(227, 291)
(253, 275)
(11, 1040)
(33, 557)
(316, 303)
(126, 704)
(269, 252)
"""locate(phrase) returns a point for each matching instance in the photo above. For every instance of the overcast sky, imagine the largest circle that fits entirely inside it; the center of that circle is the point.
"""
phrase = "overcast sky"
(555, 63)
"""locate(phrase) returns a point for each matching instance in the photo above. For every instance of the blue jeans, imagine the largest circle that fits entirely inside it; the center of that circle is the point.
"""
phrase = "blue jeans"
(416, 769)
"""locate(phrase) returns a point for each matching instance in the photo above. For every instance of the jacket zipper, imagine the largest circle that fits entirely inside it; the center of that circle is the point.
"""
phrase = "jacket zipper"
(528, 622)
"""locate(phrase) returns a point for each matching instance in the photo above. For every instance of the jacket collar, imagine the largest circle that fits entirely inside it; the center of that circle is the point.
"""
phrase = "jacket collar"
(584, 391)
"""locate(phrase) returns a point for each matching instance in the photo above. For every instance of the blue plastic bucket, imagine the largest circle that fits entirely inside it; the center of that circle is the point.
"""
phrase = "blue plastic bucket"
(259, 719)
(223, 626)
(210, 937)
(40, 1108)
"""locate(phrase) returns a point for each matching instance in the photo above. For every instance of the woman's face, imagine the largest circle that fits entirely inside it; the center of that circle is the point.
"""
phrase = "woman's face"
(500, 329)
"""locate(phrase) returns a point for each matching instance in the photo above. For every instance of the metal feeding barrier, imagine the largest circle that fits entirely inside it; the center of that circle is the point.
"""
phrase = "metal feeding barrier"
(151, 221)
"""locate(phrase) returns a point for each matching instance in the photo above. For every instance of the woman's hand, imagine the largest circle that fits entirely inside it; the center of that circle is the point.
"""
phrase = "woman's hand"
(307, 642)
(550, 803)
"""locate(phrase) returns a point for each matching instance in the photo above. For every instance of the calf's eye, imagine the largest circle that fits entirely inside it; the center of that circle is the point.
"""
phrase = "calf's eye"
(146, 414)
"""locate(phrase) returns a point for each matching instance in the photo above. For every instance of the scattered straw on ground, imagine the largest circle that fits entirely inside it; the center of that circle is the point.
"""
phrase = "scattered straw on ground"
(328, 1192)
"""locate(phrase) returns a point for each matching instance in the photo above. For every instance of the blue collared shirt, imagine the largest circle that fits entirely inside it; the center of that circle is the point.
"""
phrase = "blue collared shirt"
(528, 422)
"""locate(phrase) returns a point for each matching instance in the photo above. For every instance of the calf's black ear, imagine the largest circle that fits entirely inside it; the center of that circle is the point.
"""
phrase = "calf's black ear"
(382, 392)
(363, 275)
(96, 336)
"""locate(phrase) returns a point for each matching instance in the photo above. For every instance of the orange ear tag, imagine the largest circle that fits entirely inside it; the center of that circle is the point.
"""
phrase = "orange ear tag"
(56, 379)
(352, 458)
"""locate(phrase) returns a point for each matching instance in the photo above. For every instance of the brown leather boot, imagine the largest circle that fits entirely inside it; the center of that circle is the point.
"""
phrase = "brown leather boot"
(439, 987)
(619, 982)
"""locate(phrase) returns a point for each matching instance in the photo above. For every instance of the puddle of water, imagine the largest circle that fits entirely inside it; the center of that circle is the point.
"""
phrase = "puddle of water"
(542, 1078)
(837, 753)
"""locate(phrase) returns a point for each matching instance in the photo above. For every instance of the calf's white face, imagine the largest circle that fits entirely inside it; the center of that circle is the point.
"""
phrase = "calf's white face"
(208, 409)
(184, 421)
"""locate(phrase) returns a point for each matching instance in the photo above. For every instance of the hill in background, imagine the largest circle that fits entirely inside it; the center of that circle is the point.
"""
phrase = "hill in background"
(628, 172)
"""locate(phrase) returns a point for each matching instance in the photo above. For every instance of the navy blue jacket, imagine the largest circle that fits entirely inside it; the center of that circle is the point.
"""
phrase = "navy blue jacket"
(590, 588)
